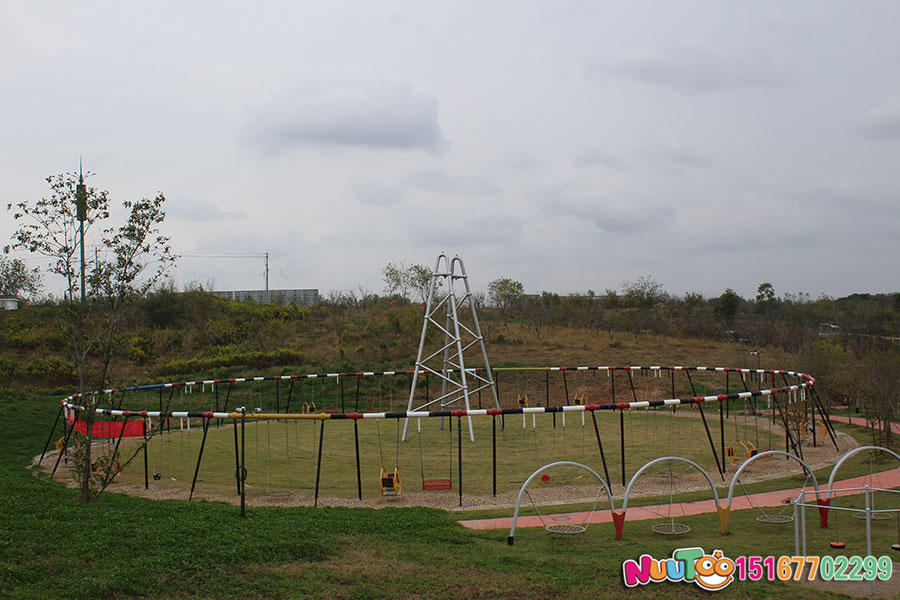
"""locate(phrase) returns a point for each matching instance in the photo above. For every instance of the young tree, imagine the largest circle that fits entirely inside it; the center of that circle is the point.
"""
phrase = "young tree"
(134, 256)
(505, 294)
(16, 279)
(727, 306)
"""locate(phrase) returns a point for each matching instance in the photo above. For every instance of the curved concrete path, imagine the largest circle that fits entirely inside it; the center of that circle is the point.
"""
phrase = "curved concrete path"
(886, 479)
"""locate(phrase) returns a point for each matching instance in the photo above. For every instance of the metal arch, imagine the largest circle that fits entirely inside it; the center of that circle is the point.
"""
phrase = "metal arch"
(766, 454)
(847, 455)
(561, 463)
(659, 460)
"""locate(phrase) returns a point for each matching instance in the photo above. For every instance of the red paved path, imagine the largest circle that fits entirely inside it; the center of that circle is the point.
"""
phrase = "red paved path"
(886, 479)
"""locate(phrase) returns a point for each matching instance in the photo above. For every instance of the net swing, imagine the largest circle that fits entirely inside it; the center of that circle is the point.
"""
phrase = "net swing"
(670, 527)
(390, 481)
(564, 528)
(779, 518)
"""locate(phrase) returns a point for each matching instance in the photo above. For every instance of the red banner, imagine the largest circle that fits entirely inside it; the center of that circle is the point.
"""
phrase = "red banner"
(111, 429)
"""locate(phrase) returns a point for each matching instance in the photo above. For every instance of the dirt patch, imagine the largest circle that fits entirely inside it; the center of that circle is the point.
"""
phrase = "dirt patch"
(653, 483)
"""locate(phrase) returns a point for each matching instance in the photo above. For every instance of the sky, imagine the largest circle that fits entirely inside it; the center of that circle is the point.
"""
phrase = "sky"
(568, 145)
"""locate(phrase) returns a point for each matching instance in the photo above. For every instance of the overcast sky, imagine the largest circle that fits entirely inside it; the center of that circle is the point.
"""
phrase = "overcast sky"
(567, 145)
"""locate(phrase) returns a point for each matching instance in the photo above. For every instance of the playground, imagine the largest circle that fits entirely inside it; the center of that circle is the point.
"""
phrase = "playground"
(551, 450)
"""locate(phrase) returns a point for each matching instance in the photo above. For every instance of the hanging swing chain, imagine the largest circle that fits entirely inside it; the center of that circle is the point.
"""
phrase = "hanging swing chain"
(380, 453)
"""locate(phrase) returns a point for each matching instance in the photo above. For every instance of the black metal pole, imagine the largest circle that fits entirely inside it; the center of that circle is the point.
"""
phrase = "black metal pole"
(494, 449)
(712, 444)
(52, 430)
(631, 383)
(600, 445)
(547, 387)
(722, 431)
(672, 378)
(341, 382)
(199, 458)
(459, 450)
(356, 401)
(277, 398)
(237, 460)
(65, 442)
(115, 452)
(243, 460)
(146, 459)
(287, 407)
(319, 462)
(829, 426)
(622, 442)
(356, 440)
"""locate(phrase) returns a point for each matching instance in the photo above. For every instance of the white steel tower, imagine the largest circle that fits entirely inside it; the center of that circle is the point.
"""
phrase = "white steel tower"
(447, 362)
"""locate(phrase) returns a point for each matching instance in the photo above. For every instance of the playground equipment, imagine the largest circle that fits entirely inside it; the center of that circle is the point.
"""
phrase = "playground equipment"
(447, 362)
(558, 528)
(156, 411)
(737, 452)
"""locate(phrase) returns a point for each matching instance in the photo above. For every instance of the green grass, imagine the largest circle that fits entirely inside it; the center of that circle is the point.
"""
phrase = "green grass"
(54, 547)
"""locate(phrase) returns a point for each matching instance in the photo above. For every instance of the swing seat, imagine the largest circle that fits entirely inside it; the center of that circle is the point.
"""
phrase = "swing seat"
(330, 410)
(390, 483)
(838, 545)
(895, 547)
(437, 484)
(565, 528)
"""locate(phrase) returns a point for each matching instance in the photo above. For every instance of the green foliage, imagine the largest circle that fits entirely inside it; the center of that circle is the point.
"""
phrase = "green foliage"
(16, 279)
(230, 357)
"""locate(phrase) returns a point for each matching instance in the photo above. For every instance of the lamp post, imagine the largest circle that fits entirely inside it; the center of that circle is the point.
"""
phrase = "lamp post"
(81, 215)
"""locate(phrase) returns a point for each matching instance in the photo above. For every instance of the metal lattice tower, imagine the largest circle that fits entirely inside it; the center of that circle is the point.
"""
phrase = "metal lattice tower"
(447, 362)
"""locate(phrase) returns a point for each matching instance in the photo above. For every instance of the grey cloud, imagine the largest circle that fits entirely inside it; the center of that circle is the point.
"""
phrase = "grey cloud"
(370, 115)
(625, 215)
(438, 180)
(375, 193)
(881, 122)
(505, 230)
(594, 157)
(199, 210)
(677, 156)
(693, 70)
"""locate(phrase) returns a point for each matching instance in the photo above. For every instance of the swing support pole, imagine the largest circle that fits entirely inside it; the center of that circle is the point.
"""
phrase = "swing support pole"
(494, 451)
(65, 442)
(319, 462)
(356, 441)
(146, 459)
(52, 429)
(622, 442)
(712, 444)
(600, 445)
(199, 457)
(459, 450)
(243, 461)
(237, 460)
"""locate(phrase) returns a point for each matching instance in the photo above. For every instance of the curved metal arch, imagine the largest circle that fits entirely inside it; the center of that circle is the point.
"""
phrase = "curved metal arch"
(561, 463)
(766, 454)
(659, 460)
(847, 455)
